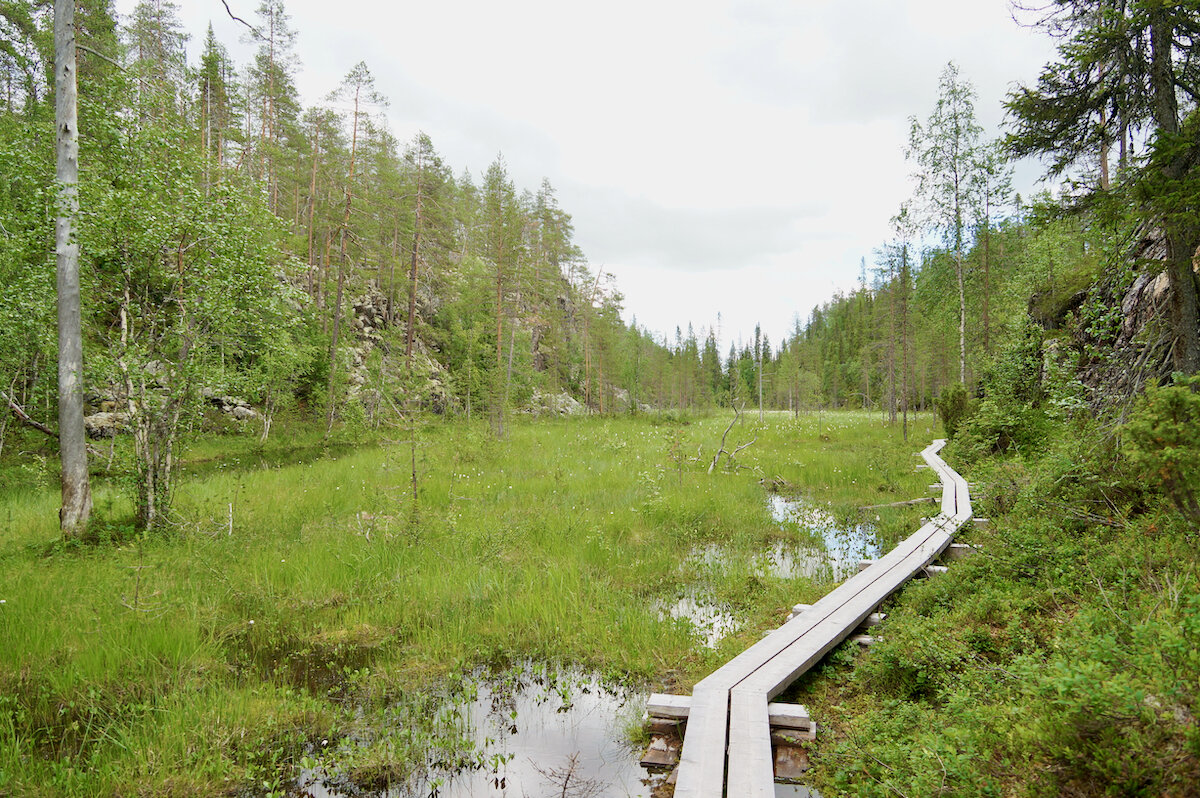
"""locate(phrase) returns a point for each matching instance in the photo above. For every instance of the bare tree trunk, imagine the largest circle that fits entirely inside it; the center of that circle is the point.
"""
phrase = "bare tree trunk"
(962, 320)
(312, 209)
(904, 337)
(413, 265)
(497, 398)
(76, 489)
(987, 279)
(760, 392)
(337, 310)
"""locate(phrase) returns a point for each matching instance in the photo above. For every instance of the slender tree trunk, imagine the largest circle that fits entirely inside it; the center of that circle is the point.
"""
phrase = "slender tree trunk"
(904, 337)
(337, 310)
(760, 390)
(987, 281)
(497, 397)
(312, 208)
(333, 341)
(892, 358)
(76, 489)
(962, 320)
(412, 269)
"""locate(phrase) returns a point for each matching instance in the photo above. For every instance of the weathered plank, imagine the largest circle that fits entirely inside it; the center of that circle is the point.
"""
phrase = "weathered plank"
(750, 760)
(702, 758)
(788, 716)
(958, 551)
(664, 705)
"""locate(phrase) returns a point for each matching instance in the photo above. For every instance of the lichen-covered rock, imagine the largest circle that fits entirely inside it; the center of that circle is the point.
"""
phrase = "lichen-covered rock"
(244, 413)
(554, 404)
(105, 425)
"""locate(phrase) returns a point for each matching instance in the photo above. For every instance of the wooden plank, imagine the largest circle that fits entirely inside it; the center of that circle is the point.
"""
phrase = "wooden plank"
(788, 716)
(847, 607)
(775, 675)
(958, 551)
(702, 757)
(793, 736)
(730, 705)
(751, 771)
(663, 705)
(665, 726)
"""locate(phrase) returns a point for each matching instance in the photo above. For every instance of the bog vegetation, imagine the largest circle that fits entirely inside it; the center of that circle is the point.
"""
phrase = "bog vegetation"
(326, 378)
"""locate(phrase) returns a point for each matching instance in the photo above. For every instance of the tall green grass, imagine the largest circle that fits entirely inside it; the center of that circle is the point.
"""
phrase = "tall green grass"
(216, 653)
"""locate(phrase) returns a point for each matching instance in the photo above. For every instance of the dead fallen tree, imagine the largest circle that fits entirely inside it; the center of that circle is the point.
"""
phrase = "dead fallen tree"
(731, 455)
(24, 418)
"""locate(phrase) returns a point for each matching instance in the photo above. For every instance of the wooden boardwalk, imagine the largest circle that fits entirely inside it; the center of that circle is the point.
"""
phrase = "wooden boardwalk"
(728, 741)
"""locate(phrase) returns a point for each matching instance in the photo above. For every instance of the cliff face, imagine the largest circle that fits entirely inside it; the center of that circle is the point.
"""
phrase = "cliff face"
(1123, 333)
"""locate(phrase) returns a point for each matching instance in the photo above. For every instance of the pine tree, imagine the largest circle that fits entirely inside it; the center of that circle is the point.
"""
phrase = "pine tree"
(1130, 63)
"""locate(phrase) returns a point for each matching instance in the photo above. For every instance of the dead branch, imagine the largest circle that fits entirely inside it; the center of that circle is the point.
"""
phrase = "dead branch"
(737, 414)
(743, 446)
(236, 18)
(24, 418)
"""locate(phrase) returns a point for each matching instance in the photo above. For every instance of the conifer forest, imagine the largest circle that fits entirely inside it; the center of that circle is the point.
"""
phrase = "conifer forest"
(329, 467)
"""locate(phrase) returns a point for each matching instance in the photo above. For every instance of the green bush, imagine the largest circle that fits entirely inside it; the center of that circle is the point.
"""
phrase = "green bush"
(997, 426)
(1164, 441)
(952, 406)
(914, 660)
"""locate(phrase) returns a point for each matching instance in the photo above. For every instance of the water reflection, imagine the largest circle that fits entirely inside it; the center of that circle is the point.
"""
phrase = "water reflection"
(535, 732)
(710, 621)
(834, 551)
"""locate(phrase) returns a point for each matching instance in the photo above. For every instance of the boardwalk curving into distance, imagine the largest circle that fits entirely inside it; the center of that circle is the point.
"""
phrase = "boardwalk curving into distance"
(727, 747)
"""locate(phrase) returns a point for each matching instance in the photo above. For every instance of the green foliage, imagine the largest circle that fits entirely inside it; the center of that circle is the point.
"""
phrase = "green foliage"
(1164, 441)
(1009, 414)
(996, 425)
(952, 405)
(915, 661)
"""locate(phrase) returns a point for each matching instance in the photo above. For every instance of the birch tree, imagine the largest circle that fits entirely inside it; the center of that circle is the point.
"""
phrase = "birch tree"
(944, 150)
(76, 490)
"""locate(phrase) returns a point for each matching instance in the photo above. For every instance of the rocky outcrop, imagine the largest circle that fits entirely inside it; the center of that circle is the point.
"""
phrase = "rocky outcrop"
(625, 402)
(554, 404)
(1120, 353)
(377, 384)
(105, 424)
(232, 405)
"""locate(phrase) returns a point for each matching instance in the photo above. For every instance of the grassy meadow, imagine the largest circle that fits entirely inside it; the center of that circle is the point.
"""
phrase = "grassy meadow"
(302, 591)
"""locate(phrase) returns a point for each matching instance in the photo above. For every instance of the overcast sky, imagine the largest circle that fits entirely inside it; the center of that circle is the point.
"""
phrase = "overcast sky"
(718, 156)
